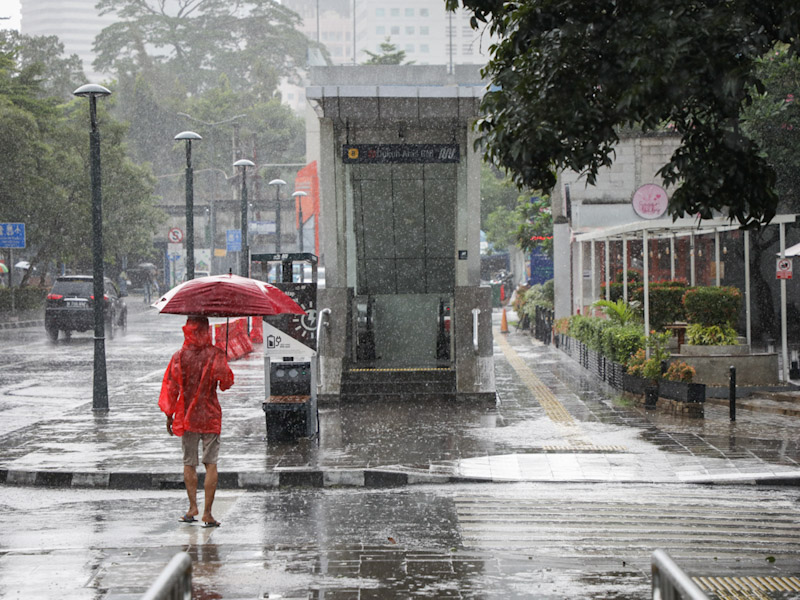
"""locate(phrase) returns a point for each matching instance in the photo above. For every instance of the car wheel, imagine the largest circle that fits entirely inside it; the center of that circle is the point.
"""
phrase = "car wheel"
(52, 333)
(123, 321)
(67, 335)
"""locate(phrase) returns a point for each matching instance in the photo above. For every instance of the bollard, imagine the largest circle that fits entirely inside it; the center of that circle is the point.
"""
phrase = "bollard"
(732, 393)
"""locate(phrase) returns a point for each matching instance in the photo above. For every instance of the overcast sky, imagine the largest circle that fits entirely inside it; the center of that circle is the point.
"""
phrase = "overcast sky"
(9, 8)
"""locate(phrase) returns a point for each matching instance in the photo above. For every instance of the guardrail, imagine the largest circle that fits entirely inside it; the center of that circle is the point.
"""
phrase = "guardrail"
(670, 582)
(174, 582)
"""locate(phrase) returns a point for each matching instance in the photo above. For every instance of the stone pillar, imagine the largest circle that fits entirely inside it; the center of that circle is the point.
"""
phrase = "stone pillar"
(335, 340)
(474, 370)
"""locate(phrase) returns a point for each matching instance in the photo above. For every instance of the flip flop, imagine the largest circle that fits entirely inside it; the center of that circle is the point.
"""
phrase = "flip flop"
(211, 524)
(187, 519)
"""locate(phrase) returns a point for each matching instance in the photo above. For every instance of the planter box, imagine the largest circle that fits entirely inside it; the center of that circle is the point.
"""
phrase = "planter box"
(682, 391)
(637, 385)
(737, 350)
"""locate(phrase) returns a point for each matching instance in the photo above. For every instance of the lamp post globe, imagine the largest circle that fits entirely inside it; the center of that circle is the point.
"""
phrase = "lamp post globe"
(189, 137)
(277, 183)
(244, 263)
(100, 380)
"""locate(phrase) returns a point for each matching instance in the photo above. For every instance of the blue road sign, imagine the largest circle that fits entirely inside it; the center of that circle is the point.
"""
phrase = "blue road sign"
(233, 237)
(12, 235)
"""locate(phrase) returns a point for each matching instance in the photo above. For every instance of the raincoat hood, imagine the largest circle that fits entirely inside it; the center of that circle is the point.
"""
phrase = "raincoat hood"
(196, 332)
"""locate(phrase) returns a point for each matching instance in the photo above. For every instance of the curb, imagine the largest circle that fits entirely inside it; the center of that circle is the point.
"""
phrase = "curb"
(21, 324)
(309, 478)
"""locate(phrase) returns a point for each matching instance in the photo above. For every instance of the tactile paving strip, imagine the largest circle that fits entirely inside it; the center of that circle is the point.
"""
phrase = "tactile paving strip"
(749, 588)
(551, 405)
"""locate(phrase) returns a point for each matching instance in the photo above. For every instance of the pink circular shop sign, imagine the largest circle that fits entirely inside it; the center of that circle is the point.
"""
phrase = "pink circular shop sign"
(650, 201)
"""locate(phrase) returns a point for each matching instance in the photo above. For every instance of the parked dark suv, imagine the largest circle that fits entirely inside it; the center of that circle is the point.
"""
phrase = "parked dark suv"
(70, 307)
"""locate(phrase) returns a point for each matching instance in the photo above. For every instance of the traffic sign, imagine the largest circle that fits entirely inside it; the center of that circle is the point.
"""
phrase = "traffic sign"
(233, 237)
(12, 235)
(175, 235)
(784, 268)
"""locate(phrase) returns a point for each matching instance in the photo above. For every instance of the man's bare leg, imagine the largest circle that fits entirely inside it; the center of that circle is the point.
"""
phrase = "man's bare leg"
(210, 490)
(190, 480)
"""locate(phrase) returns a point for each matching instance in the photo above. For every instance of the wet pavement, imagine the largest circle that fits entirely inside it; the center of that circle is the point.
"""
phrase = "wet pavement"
(553, 422)
(585, 485)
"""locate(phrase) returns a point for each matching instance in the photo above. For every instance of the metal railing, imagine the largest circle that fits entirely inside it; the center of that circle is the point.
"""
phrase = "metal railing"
(320, 323)
(475, 313)
(543, 324)
(174, 582)
(670, 582)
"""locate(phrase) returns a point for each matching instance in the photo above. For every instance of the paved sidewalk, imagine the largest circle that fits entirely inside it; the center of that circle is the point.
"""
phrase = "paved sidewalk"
(553, 422)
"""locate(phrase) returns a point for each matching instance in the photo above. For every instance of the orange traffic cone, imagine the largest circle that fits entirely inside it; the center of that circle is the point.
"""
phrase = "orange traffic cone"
(504, 323)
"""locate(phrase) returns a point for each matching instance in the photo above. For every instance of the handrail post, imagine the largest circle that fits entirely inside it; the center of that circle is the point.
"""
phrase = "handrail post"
(475, 313)
(174, 582)
(670, 582)
(320, 322)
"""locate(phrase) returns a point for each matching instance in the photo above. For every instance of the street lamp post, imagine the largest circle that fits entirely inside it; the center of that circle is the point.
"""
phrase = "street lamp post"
(188, 136)
(299, 196)
(244, 263)
(213, 214)
(277, 183)
(100, 382)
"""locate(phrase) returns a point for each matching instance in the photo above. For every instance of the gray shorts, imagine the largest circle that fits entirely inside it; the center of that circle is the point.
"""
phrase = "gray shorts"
(189, 442)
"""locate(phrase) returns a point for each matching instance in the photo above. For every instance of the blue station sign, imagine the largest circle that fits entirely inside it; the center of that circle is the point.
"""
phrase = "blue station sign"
(12, 235)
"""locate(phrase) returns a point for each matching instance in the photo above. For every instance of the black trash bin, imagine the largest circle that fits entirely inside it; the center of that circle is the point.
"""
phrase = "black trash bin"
(290, 409)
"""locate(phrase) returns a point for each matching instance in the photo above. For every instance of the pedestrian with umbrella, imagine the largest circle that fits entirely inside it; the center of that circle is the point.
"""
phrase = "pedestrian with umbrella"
(189, 399)
(188, 392)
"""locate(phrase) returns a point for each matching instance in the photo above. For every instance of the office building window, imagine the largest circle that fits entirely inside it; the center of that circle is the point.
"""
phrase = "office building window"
(423, 12)
(380, 12)
(409, 12)
(466, 30)
(424, 48)
(466, 49)
(409, 30)
(424, 30)
(409, 47)
(395, 30)
(395, 12)
(380, 30)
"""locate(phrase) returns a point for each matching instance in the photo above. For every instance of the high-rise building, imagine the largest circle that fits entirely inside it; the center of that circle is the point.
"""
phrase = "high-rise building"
(75, 22)
(423, 29)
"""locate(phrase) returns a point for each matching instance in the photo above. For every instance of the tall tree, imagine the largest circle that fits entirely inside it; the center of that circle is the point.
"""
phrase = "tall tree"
(567, 76)
(389, 55)
(253, 42)
(46, 174)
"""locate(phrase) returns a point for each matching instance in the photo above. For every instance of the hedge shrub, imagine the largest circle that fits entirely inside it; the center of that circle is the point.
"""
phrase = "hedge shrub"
(617, 342)
(25, 298)
(712, 305)
(666, 302)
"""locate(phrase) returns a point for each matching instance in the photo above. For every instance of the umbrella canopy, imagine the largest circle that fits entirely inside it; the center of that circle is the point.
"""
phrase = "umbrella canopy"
(147, 266)
(23, 264)
(3, 268)
(226, 296)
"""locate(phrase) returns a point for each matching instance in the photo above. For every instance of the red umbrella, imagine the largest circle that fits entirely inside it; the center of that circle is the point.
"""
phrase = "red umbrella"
(227, 296)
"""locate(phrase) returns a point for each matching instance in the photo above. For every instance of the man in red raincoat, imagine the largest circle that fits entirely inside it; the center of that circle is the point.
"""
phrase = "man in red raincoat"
(189, 399)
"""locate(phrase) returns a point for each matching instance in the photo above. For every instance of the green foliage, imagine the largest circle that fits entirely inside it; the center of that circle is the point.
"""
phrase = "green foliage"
(389, 55)
(535, 228)
(619, 312)
(184, 47)
(497, 191)
(666, 302)
(540, 294)
(568, 78)
(650, 368)
(46, 182)
(712, 305)
(25, 298)
(711, 335)
(613, 340)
